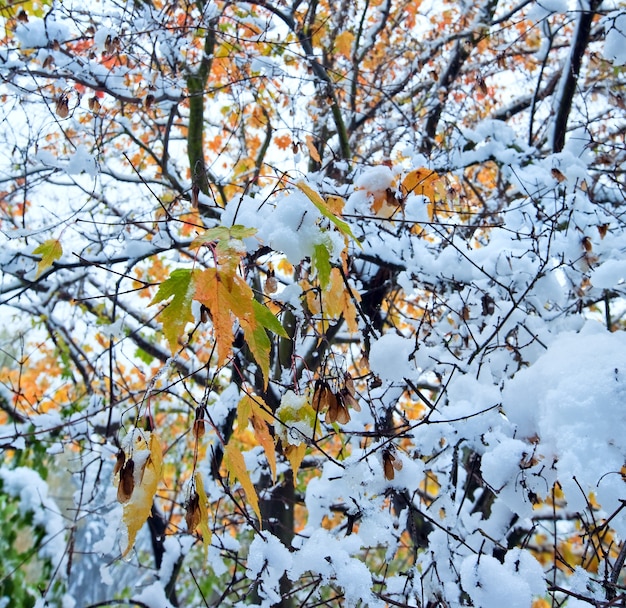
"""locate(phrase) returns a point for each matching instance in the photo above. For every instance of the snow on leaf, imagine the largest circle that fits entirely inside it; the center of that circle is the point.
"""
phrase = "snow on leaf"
(144, 449)
(236, 467)
(224, 234)
(50, 251)
(179, 286)
(318, 201)
(255, 410)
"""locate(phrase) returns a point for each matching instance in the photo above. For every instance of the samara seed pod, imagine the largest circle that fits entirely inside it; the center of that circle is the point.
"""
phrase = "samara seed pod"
(127, 481)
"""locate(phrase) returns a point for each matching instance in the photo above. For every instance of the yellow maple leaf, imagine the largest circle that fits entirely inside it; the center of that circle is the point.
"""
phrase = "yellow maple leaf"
(337, 300)
(255, 410)
(204, 513)
(295, 456)
(343, 43)
(144, 449)
(236, 467)
(50, 251)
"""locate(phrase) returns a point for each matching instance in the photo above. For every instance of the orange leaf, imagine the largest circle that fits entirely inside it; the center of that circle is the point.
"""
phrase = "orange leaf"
(315, 155)
(421, 182)
(212, 291)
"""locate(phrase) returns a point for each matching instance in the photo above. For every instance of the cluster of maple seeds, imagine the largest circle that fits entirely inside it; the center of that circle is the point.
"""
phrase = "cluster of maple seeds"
(335, 402)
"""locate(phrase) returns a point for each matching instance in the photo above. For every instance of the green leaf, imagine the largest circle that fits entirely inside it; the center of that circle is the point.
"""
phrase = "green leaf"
(266, 318)
(180, 286)
(321, 261)
(318, 201)
(49, 251)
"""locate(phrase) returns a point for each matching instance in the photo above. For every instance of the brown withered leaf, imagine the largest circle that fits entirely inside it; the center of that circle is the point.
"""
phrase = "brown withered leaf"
(349, 383)
(94, 104)
(333, 410)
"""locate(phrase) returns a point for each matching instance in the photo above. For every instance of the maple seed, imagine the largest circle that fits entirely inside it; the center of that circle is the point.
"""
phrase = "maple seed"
(198, 425)
(271, 285)
(193, 514)
(119, 463)
(63, 106)
(94, 104)
(323, 397)
(205, 315)
(390, 464)
(558, 176)
(127, 481)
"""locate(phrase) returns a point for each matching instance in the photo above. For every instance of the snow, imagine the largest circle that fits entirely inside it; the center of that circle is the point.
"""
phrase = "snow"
(491, 584)
(576, 419)
(615, 41)
(32, 491)
(153, 596)
(389, 357)
(268, 557)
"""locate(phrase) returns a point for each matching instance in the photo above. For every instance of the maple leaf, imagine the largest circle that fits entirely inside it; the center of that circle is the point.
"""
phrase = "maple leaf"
(144, 450)
(321, 261)
(255, 410)
(310, 144)
(212, 291)
(236, 467)
(203, 512)
(295, 455)
(318, 201)
(256, 337)
(50, 251)
(296, 424)
(179, 286)
(421, 182)
(226, 237)
(227, 296)
(343, 43)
